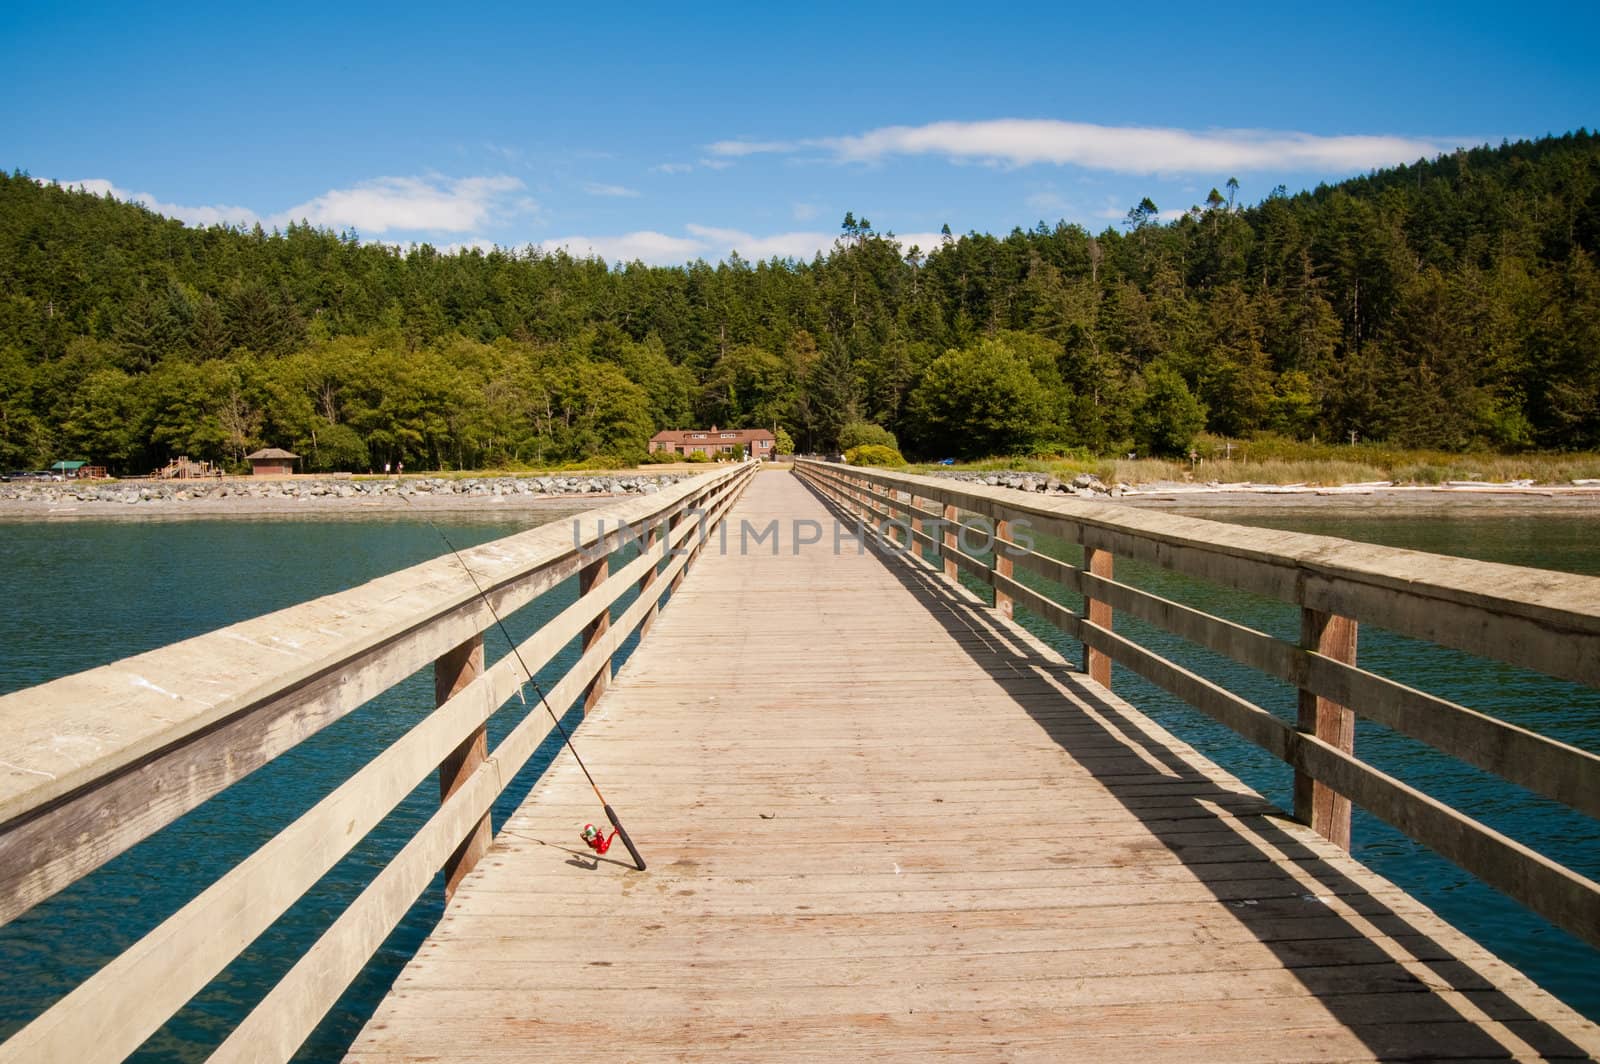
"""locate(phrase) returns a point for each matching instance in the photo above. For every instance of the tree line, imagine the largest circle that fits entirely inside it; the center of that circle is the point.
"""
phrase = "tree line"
(1453, 303)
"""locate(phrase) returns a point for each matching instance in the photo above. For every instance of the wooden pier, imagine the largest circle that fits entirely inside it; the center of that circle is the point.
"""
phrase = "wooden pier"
(880, 820)
(883, 821)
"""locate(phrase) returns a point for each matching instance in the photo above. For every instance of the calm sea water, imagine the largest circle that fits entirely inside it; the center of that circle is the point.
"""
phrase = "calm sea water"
(76, 595)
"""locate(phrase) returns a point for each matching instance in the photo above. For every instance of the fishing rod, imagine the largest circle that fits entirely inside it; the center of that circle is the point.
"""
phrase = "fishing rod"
(596, 839)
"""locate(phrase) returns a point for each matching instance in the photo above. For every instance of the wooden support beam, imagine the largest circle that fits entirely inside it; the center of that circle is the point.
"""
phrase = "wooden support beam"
(1095, 662)
(672, 523)
(652, 538)
(589, 577)
(951, 522)
(1315, 803)
(451, 672)
(1002, 567)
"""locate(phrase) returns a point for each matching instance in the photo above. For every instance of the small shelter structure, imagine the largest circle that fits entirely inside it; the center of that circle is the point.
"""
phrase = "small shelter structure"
(272, 462)
(712, 442)
(68, 470)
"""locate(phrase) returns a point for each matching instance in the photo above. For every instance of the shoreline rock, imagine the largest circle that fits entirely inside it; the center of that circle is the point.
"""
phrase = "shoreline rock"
(1039, 483)
(330, 489)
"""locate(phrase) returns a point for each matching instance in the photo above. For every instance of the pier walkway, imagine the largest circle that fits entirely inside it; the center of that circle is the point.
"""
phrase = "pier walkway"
(884, 822)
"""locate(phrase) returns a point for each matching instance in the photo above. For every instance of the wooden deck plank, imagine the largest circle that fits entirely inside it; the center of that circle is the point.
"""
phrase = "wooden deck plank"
(882, 820)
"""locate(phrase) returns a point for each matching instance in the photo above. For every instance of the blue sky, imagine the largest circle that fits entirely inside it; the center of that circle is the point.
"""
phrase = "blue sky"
(670, 132)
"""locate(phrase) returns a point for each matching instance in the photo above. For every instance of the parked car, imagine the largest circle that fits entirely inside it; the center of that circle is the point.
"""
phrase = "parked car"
(29, 474)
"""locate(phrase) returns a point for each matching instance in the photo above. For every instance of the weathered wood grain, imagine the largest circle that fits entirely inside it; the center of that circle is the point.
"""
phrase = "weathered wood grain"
(1323, 766)
(109, 1015)
(882, 821)
(1541, 620)
(1317, 804)
(97, 761)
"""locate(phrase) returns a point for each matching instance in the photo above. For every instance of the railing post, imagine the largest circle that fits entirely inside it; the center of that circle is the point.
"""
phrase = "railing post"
(901, 533)
(452, 672)
(672, 523)
(1315, 803)
(1095, 662)
(590, 577)
(652, 537)
(950, 524)
(916, 527)
(1002, 567)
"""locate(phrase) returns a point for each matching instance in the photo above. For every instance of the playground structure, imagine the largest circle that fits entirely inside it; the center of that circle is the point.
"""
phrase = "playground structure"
(185, 468)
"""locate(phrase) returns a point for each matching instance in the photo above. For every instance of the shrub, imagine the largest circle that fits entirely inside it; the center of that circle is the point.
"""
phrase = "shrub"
(872, 454)
(865, 433)
(1170, 417)
(337, 447)
(697, 456)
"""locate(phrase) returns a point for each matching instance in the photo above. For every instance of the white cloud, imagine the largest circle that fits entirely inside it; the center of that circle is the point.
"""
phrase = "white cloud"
(798, 245)
(405, 204)
(671, 168)
(1048, 202)
(923, 242)
(190, 215)
(738, 148)
(428, 204)
(715, 164)
(714, 243)
(475, 244)
(615, 191)
(1121, 149)
(645, 245)
(509, 154)
(804, 212)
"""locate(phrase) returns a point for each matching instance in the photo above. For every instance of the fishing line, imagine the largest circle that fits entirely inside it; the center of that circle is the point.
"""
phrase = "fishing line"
(596, 840)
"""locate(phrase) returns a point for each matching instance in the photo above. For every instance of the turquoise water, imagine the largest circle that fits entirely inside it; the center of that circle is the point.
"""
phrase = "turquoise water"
(1556, 960)
(75, 595)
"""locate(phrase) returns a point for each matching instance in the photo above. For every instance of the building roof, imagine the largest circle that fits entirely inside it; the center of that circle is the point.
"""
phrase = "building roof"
(267, 453)
(712, 433)
(69, 466)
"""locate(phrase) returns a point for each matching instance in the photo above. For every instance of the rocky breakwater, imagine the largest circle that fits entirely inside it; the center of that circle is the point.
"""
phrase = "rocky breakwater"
(155, 493)
(1040, 483)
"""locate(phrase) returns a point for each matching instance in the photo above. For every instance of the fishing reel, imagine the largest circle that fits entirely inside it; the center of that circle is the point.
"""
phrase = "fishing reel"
(597, 840)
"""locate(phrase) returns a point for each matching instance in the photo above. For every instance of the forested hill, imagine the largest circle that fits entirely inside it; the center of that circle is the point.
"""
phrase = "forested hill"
(1453, 303)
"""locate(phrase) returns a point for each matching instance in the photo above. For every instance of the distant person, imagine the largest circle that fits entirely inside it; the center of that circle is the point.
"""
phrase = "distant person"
(399, 469)
(386, 469)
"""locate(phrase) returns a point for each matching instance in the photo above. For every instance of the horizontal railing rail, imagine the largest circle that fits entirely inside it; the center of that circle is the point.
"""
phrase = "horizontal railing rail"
(1543, 621)
(98, 761)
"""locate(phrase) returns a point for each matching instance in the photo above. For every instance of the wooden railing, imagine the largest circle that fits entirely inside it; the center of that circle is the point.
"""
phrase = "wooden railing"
(97, 761)
(1544, 621)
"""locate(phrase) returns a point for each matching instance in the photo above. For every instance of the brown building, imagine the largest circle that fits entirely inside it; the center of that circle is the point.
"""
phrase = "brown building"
(272, 462)
(757, 443)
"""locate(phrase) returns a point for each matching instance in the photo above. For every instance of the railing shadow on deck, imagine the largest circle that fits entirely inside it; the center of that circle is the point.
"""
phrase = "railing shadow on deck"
(1336, 959)
(97, 762)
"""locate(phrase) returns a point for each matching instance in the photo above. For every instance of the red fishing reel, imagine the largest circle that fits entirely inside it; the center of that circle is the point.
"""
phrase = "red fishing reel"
(597, 840)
